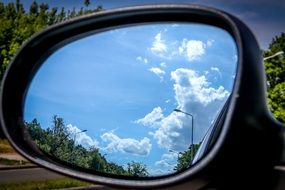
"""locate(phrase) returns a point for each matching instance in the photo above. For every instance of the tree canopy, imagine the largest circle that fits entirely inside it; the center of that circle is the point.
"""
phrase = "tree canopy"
(17, 25)
(275, 72)
(185, 158)
(58, 142)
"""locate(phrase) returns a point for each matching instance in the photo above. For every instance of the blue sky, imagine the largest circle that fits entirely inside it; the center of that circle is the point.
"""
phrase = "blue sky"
(265, 18)
(122, 86)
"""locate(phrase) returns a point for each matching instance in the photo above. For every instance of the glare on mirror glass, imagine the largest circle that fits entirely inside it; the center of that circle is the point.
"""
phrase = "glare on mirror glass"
(134, 101)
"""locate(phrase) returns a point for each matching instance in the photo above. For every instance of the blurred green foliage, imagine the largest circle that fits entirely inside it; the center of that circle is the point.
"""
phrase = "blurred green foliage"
(275, 72)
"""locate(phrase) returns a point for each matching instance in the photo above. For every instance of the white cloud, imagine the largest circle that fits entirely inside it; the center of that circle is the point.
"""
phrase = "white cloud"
(151, 118)
(126, 145)
(81, 137)
(189, 84)
(167, 101)
(166, 164)
(170, 156)
(158, 171)
(163, 49)
(217, 70)
(163, 64)
(192, 49)
(141, 59)
(145, 60)
(163, 164)
(158, 45)
(195, 95)
(210, 43)
(157, 71)
(168, 134)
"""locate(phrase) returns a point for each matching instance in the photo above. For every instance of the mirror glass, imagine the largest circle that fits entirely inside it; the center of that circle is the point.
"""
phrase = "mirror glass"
(133, 101)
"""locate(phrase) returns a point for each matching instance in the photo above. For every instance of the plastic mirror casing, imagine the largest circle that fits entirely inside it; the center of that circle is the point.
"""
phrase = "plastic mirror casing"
(242, 153)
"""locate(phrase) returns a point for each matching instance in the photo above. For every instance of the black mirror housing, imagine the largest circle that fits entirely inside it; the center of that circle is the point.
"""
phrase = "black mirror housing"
(238, 154)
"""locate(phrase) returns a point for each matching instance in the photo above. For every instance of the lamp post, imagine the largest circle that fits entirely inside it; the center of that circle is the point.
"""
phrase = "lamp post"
(192, 129)
(274, 55)
(78, 133)
(74, 138)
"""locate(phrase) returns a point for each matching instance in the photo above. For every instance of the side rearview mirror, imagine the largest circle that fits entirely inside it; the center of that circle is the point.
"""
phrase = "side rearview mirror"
(142, 97)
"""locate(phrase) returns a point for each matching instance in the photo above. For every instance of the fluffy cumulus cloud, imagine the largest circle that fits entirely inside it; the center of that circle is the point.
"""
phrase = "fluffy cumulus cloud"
(126, 145)
(158, 45)
(151, 118)
(191, 86)
(162, 48)
(193, 94)
(162, 164)
(81, 137)
(171, 133)
(192, 49)
(166, 164)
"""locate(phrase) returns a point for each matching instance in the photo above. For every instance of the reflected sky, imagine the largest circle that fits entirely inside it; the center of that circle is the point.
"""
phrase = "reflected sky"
(123, 85)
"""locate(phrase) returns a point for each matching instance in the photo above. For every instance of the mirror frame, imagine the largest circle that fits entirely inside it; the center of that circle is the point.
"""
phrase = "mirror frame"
(247, 102)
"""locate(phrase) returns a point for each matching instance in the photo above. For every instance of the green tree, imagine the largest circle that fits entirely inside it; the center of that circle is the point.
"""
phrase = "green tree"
(97, 161)
(34, 8)
(137, 169)
(57, 142)
(37, 133)
(185, 158)
(87, 3)
(275, 72)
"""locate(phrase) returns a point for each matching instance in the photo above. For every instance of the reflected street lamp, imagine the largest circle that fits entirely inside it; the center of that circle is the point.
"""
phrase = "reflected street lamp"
(192, 144)
(78, 133)
(274, 55)
(74, 140)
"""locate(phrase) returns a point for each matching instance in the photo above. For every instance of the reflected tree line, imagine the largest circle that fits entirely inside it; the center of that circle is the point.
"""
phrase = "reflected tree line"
(58, 142)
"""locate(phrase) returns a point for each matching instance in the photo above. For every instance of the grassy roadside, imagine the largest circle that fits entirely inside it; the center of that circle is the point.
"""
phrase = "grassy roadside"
(65, 182)
(44, 184)
(8, 162)
(5, 147)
